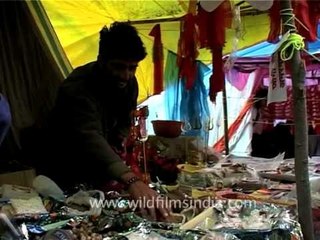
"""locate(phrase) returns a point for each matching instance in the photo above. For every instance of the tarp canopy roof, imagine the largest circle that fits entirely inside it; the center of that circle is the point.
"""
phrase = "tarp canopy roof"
(265, 49)
(77, 24)
(259, 55)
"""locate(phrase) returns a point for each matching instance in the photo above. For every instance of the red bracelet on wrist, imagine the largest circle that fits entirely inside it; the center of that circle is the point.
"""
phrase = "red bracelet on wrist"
(132, 180)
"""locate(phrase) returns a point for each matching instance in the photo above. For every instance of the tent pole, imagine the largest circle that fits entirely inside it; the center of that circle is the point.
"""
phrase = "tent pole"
(225, 119)
(301, 131)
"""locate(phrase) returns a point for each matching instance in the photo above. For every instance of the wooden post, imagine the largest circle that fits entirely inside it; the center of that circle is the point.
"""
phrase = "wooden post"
(225, 118)
(301, 131)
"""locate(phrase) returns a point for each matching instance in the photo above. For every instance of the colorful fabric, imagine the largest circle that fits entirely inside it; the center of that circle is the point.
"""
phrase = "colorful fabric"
(189, 106)
(306, 26)
(314, 14)
(212, 27)
(157, 57)
(237, 79)
(219, 146)
(187, 50)
(194, 109)
(284, 110)
(172, 93)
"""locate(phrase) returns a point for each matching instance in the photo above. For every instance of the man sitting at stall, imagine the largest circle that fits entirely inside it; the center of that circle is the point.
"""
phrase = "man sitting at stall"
(92, 117)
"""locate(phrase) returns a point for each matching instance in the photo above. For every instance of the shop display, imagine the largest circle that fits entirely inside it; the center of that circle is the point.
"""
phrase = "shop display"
(247, 219)
(230, 200)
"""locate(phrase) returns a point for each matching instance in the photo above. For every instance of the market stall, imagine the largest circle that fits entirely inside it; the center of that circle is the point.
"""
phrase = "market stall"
(212, 196)
(227, 201)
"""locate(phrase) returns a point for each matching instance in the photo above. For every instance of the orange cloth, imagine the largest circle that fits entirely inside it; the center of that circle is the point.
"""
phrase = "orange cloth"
(219, 146)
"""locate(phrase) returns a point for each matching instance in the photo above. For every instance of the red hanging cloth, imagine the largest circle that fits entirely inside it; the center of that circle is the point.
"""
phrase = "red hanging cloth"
(212, 26)
(157, 57)
(187, 50)
(301, 10)
(314, 14)
(275, 22)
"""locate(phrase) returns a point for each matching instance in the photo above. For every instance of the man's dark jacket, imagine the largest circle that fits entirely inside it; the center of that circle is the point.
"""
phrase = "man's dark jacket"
(90, 116)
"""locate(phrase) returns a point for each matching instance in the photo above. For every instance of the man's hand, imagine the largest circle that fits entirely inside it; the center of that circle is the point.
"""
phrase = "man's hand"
(148, 200)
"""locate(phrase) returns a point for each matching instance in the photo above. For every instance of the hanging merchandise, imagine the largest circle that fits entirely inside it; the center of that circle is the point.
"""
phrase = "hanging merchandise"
(157, 57)
(303, 24)
(187, 50)
(301, 14)
(212, 36)
(194, 109)
(210, 5)
(261, 5)
(275, 22)
(219, 146)
(314, 14)
(237, 79)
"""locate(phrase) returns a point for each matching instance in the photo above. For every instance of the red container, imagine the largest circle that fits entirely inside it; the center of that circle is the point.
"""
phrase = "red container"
(167, 128)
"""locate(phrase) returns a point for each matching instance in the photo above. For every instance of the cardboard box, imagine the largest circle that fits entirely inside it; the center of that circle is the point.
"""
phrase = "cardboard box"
(21, 178)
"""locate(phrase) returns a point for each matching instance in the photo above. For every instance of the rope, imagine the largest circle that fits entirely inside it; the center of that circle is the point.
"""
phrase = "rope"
(312, 55)
(293, 43)
(289, 12)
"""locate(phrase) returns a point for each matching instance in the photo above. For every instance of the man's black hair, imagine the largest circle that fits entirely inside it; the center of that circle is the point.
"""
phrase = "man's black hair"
(121, 41)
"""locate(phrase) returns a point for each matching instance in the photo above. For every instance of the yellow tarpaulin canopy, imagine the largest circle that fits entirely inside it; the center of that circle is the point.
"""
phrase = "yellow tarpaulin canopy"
(77, 24)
